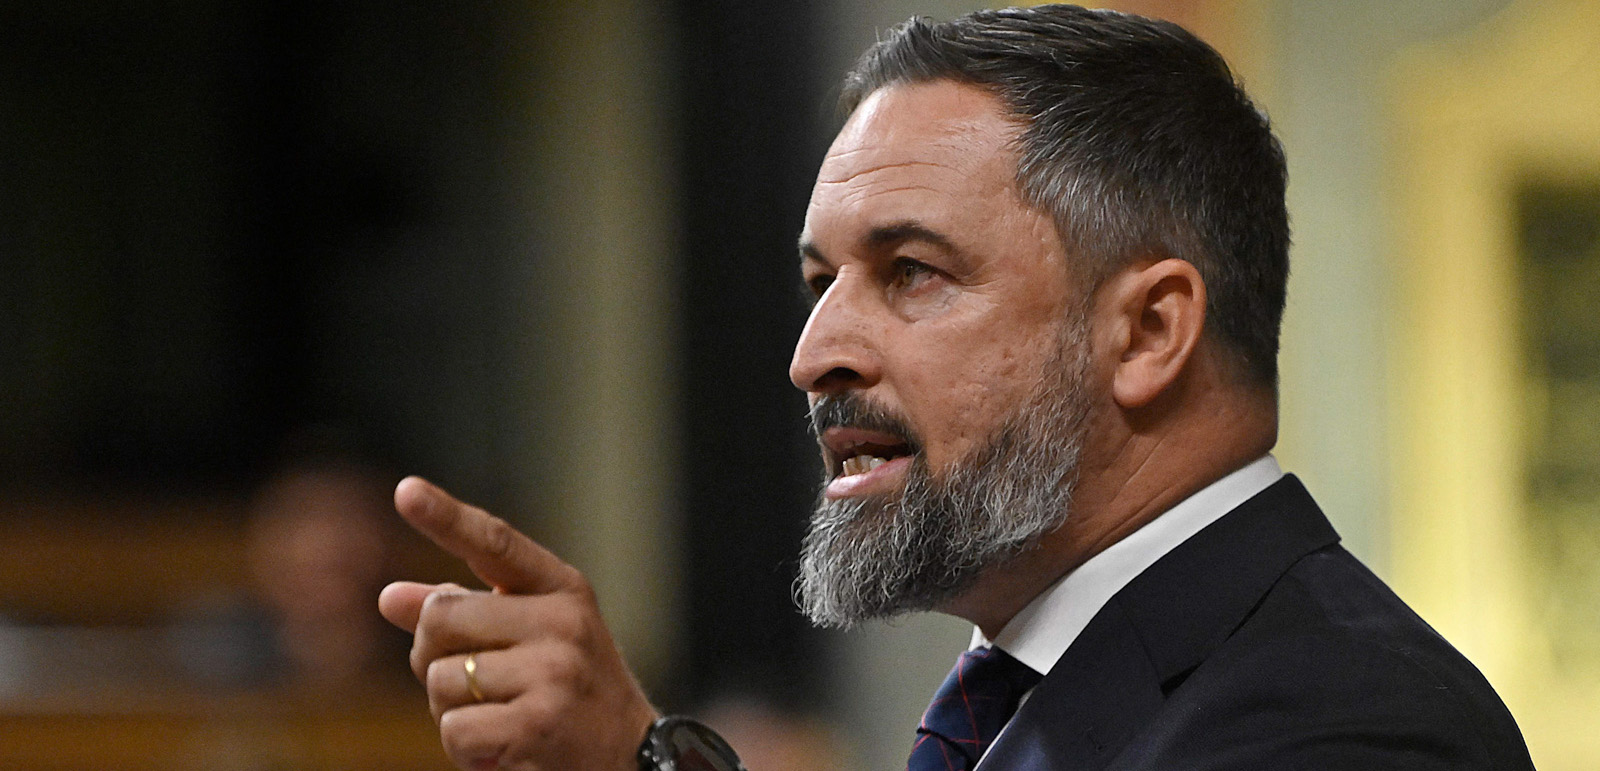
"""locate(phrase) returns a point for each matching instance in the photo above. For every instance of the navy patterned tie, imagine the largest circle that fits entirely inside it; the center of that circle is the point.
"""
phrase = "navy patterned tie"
(969, 710)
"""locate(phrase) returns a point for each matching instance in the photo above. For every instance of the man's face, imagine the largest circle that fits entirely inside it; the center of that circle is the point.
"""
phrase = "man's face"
(940, 357)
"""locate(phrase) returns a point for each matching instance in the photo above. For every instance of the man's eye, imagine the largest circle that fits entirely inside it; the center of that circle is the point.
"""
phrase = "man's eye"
(909, 274)
(819, 285)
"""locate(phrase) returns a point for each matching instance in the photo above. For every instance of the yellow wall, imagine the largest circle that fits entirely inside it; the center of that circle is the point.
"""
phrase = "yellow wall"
(1518, 97)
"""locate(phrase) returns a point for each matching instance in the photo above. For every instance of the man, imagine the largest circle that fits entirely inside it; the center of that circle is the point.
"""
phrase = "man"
(1049, 250)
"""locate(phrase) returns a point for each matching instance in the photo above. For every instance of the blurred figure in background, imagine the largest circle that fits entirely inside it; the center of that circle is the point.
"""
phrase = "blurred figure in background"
(320, 538)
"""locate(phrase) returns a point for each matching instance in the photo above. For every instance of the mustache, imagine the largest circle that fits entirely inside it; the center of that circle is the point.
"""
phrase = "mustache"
(850, 410)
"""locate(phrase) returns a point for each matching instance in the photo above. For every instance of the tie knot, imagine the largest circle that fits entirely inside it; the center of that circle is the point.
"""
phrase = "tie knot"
(969, 709)
(992, 668)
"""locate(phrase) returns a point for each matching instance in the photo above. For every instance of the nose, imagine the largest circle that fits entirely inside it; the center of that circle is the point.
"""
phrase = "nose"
(836, 350)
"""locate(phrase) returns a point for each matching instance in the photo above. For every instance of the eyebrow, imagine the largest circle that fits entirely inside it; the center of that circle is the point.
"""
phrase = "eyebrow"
(884, 235)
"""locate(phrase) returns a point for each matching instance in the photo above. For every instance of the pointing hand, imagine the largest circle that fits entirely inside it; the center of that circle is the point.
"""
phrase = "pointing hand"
(548, 688)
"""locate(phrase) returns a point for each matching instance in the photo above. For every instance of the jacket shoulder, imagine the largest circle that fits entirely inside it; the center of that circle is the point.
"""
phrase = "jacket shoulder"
(1330, 670)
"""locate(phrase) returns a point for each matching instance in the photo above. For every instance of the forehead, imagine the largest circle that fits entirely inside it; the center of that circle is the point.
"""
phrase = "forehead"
(934, 121)
(921, 145)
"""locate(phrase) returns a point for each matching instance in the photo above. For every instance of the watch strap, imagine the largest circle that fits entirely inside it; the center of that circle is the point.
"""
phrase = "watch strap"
(678, 743)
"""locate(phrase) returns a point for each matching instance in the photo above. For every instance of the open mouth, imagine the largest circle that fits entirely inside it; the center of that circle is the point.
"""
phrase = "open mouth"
(853, 451)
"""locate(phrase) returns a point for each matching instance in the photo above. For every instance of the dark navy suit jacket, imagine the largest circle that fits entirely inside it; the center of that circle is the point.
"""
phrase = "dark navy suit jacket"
(1260, 643)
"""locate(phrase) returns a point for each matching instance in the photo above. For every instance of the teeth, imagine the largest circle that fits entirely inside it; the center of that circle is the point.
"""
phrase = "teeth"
(861, 464)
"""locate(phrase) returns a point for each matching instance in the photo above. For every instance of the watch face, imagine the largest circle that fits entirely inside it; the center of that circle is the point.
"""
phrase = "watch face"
(691, 746)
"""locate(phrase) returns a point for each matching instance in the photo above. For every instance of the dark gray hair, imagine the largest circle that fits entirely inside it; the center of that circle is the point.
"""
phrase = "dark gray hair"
(1136, 139)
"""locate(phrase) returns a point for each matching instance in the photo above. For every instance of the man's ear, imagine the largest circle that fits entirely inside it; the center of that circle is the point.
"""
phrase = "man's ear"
(1159, 311)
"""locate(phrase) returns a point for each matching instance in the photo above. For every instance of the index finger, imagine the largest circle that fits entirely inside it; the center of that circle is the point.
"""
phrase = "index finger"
(504, 558)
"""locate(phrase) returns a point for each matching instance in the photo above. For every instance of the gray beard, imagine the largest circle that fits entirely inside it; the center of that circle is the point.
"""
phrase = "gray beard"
(883, 556)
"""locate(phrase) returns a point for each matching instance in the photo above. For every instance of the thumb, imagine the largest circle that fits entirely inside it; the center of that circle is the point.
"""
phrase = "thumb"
(504, 558)
(401, 603)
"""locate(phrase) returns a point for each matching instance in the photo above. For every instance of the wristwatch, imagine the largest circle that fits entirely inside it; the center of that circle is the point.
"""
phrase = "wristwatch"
(677, 743)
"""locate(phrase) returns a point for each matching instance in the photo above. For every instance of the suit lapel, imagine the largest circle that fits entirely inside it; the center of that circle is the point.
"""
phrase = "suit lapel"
(1156, 630)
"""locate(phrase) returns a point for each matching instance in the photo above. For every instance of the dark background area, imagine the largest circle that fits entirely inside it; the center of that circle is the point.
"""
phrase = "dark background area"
(221, 223)
(749, 158)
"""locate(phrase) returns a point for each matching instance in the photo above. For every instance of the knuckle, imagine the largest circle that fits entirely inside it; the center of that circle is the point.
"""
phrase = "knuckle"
(455, 734)
(436, 608)
(563, 621)
(435, 676)
(419, 664)
(575, 624)
(565, 668)
(500, 539)
(540, 720)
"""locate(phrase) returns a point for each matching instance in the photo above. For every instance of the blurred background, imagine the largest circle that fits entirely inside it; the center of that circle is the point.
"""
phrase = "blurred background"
(260, 260)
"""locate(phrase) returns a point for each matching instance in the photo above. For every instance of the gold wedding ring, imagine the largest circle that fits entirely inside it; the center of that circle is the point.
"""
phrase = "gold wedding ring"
(471, 665)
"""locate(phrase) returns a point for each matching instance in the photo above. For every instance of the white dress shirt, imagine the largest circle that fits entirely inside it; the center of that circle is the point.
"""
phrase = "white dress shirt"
(1041, 632)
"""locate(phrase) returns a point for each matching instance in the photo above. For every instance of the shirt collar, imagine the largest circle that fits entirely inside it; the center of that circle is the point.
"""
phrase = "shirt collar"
(1042, 631)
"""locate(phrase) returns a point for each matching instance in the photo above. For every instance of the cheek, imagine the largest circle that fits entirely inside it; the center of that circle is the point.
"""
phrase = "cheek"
(957, 392)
